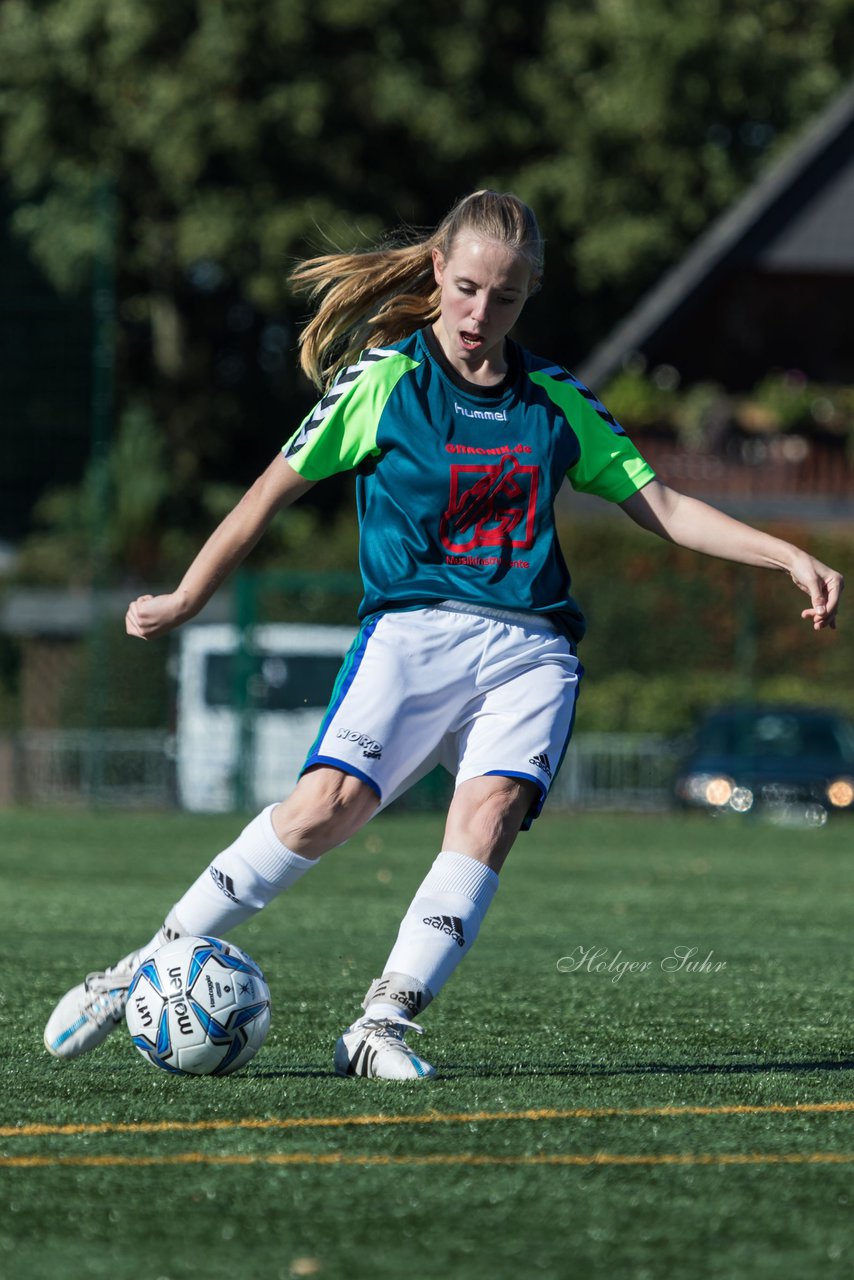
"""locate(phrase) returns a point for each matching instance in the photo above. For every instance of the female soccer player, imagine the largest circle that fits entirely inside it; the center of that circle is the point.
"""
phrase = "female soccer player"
(460, 440)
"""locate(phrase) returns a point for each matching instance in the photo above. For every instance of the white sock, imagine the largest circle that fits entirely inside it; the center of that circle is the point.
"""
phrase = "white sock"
(241, 880)
(168, 932)
(437, 931)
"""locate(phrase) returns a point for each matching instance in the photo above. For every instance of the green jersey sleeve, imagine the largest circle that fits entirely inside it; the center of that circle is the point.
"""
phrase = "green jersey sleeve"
(608, 464)
(341, 430)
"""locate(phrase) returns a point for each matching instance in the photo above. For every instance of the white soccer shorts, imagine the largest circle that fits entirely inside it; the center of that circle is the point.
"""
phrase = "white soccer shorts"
(478, 691)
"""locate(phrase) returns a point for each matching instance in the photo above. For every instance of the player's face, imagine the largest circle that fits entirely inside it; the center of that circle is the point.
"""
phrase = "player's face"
(484, 286)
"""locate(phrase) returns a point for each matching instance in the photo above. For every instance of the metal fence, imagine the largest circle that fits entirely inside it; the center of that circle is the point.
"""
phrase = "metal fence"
(629, 771)
(114, 768)
(136, 769)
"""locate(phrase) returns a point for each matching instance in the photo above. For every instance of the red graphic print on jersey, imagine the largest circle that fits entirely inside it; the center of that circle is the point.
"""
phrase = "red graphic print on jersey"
(490, 505)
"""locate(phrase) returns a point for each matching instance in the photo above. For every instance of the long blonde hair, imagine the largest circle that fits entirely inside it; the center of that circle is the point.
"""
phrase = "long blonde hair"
(376, 297)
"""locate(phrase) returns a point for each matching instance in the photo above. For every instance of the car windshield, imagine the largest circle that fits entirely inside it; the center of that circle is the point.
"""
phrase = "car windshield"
(779, 734)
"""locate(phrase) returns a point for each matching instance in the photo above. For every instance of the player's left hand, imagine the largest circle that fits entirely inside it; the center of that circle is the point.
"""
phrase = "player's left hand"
(823, 586)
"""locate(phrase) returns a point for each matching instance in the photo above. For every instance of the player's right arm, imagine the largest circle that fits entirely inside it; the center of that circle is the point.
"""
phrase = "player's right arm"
(226, 548)
(338, 434)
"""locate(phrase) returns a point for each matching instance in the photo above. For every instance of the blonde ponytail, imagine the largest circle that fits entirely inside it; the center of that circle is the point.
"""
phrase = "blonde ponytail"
(374, 298)
(367, 299)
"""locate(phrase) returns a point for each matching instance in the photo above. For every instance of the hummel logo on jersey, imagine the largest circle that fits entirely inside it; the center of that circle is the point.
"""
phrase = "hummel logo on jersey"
(542, 762)
(225, 883)
(451, 925)
(487, 415)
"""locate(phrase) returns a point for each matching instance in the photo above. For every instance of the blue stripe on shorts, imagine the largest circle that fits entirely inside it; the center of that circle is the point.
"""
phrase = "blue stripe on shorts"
(343, 681)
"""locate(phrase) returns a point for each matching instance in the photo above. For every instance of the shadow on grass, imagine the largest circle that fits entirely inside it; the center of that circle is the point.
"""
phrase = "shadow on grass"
(490, 1070)
(485, 1070)
(289, 1073)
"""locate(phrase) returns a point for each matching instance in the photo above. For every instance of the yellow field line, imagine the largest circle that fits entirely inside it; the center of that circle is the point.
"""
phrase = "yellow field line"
(429, 1117)
(458, 1158)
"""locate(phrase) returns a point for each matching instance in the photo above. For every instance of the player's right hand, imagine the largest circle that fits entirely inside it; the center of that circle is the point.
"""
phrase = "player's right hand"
(151, 616)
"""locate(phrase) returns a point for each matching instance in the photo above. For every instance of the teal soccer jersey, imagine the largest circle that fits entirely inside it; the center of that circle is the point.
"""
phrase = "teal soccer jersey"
(456, 484)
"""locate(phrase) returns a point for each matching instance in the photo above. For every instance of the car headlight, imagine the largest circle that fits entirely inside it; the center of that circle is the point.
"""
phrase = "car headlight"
(706, 788)
(741, 800)
(840, 793)
(718, 791)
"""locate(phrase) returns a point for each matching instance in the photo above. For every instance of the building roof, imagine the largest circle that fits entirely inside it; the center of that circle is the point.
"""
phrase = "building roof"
(798, 216)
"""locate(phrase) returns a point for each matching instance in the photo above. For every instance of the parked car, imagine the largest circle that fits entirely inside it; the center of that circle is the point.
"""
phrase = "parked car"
(268, 707)
(770, 756)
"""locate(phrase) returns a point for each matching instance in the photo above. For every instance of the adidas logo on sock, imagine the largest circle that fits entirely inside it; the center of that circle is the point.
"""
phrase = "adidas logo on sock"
(541, 761)
(225, 883)
(451, 925)
(408, 993)
(409, 1000)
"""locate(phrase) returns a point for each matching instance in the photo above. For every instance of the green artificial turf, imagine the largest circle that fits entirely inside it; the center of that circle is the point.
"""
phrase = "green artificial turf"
(604, 1122)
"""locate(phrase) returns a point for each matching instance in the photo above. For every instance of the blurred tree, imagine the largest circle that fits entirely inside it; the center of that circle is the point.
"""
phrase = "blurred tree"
(240, 136)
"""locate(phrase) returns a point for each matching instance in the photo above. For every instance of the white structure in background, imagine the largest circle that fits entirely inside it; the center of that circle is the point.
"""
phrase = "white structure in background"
(289, 675)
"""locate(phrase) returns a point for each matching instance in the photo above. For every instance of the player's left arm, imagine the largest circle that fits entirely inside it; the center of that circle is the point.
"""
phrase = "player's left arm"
(693, 524)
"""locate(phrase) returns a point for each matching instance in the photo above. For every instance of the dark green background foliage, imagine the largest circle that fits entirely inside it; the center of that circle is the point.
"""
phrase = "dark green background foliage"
(236, 133)
(237, 137)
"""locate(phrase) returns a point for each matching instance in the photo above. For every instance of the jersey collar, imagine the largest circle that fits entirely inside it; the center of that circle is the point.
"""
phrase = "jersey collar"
(495, 392)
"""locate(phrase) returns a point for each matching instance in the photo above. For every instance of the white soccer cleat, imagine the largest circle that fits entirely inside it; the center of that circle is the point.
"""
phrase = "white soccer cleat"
(87, 1014)
(375, 1047)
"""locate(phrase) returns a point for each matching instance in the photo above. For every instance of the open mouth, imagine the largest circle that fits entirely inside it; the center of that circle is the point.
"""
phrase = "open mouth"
(471, 341)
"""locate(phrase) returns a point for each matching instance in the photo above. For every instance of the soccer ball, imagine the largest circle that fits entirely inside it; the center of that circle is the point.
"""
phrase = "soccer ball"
(198, 1007)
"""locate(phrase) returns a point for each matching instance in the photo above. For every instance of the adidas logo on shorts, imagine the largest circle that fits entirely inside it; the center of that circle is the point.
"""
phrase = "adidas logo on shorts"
(451, 925)
(541, 761)
(225, 883)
